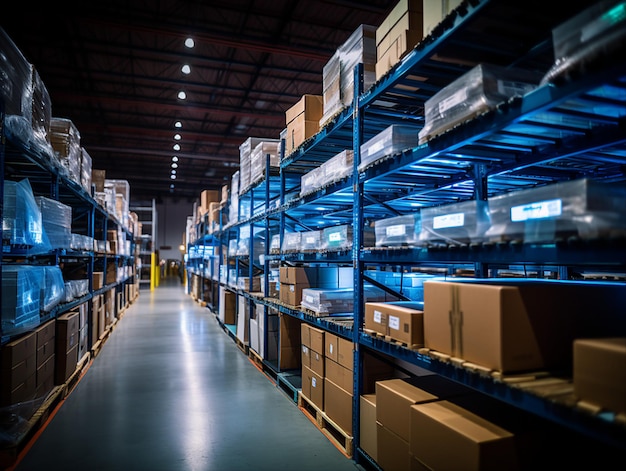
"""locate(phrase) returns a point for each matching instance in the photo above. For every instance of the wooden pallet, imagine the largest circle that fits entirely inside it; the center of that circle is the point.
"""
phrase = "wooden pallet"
(245, 348)
(341, 439)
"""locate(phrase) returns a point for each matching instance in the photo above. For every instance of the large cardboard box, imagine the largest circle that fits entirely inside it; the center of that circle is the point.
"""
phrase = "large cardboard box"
(303, 121)
(338, 405)
(289, 342)
(339, 350)
(45, 373)
(478, 444)
(317, 362)
(67, 331)
(209, 196)
(435, 11)
(393, 451)
(394, 398)
(65, 364)
(316, 340)
(600, 373)
(227, 311)
(339, 375)
(45, 341)
(514, 325)
(401, 321)
(313, 387)
(367, 425)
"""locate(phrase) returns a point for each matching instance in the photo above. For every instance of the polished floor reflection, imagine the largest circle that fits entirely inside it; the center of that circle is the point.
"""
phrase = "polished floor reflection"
(171, 391)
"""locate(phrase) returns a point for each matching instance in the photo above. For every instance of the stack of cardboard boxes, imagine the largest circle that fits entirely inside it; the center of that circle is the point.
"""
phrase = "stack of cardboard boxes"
(66, 354)
(303, 121)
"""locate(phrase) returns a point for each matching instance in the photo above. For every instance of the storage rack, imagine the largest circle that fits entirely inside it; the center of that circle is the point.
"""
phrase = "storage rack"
(147, 258)
(566, 130)
(20, 161)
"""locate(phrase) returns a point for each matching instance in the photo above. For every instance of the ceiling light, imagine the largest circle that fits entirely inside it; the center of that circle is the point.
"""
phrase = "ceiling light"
(178, 124)
(176, 147)
(182, 95)
(174, 159)
(174, 165)
(189, 43)
(177, 137)
(172, 186)
(173, 172)
(186, 69)
(173, 177)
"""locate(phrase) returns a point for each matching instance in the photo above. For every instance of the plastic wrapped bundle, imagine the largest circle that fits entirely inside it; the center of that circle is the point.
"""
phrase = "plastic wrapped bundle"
(312, 180)
(455, 224)
(310, 241)
(21, 297)
(338, 167)
(585, 209)
(65, 140)
(398, 231)
(57, 222)
(590, 40)
(395, 139)
(41, 111)
(258, 157)
(52, 288)
(477, 91)
(275, 244)
(291, 242)
(85, 170)
(338, 238)
(245, 151)
(22, 227)
(328, 301)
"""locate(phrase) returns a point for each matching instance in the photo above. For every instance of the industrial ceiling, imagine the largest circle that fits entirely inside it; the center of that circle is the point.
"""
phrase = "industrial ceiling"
(114, 69)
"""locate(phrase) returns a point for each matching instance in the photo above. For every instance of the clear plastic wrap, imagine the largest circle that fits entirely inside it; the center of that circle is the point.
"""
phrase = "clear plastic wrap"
(310, 241)
(275, 244)
(337, 238)
(22, 226)
(245, 152)
(312, 180)
(53, 287)
(590, 39)
(398, 231)
(455, 224)
(394, 139)
(57, 222)
(477, 91)
(85, 170)
(337, 300)
(291, 242)
(119, 187)
(338, 73)
(257, 158)
(21, 297)
(65, 140)
(583, 208)
(331, 171)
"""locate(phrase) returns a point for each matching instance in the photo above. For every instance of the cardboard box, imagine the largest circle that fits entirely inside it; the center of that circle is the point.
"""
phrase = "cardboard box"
(435, 11)
(227, 311)
(67, 331)
(209, 196)
(291, 294)
(316, 342)
(13, 377)
(394, 397)
(303, 121)
(478, 444)
(367, 425)
(45, 351)
(600, 372)
(339, 375)
(306, 356)
(294, 275)
(317, 362)
(399, 48)
(23, 392)
(393, 451)
(289, 342)
(338, 405)
(313, 387)
(513, 325)
(65, 364)
(398, 12)
(45, 373)
(401, 321)
(45, 332)
(339, 350)
(410, 21)
(18, 350)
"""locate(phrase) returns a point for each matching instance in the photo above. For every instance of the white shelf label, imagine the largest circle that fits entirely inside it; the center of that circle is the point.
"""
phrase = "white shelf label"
(449, 220)
(396, 231)
(334, 236)
(537, 210)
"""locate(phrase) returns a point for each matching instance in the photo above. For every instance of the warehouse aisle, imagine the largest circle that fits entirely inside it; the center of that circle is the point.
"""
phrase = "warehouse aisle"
(171, 391)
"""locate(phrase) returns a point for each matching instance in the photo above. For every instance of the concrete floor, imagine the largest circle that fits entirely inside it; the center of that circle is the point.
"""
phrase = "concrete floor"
(170, 390)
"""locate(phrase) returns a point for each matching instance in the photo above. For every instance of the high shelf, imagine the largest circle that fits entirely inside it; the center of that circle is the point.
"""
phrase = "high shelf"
(568, 128)
(147, 254)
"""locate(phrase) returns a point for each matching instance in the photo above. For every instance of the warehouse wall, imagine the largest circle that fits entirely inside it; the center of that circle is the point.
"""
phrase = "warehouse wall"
(172, 221)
